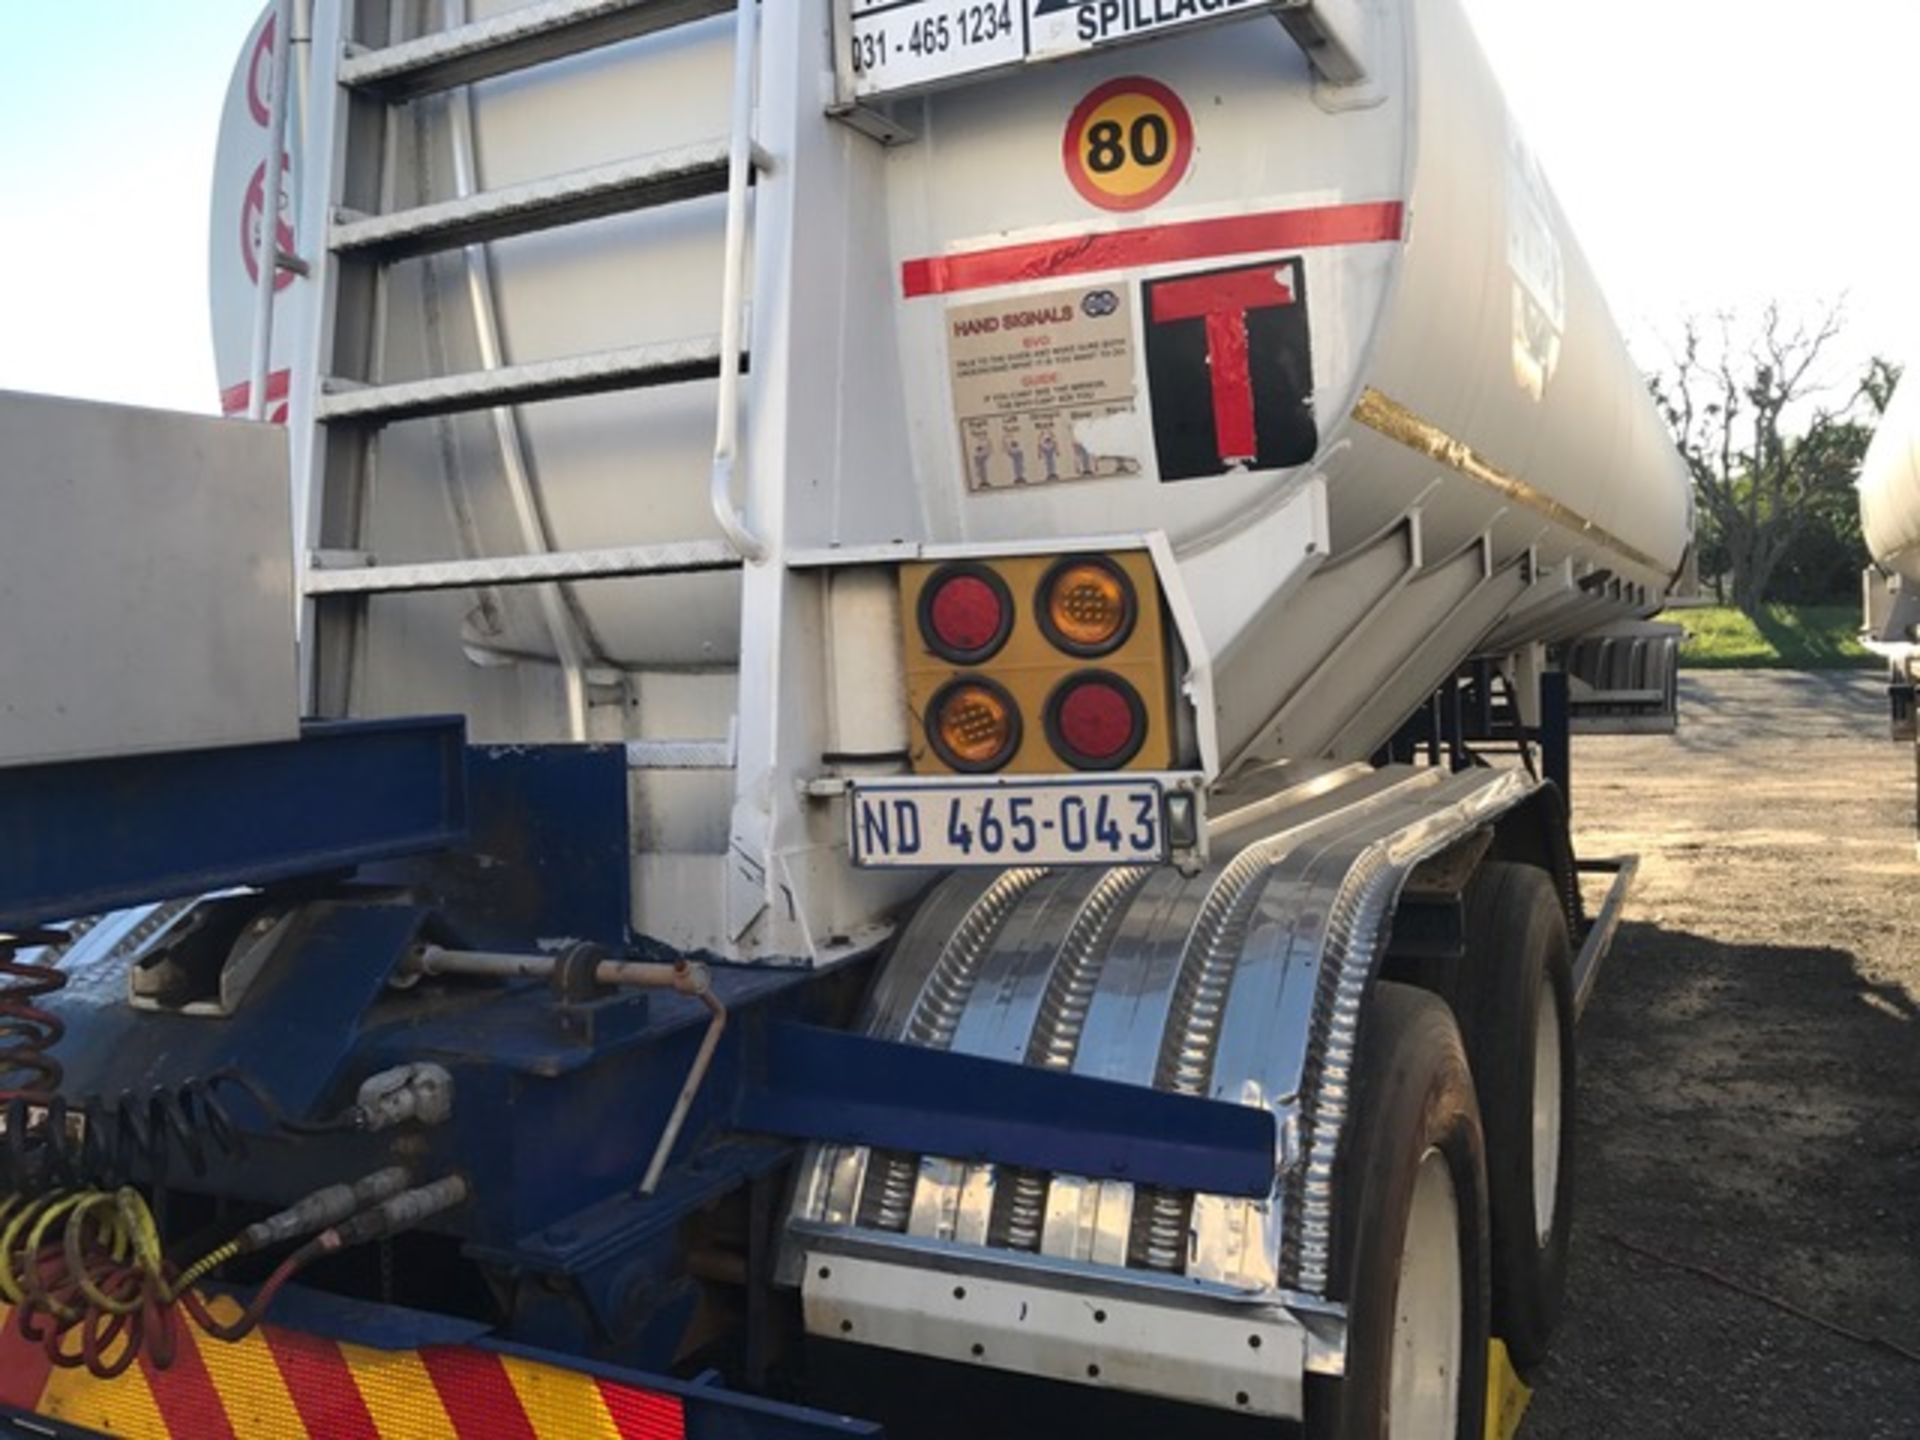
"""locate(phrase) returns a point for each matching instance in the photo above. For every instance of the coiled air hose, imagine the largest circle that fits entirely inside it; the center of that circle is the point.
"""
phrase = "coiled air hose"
(50, 1141)
(91, 1285)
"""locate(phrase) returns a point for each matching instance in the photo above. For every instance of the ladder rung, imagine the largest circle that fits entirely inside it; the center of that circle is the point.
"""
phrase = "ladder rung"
(634, 368)
(522, 37)
(662, 179)
(680, 557)
(680, 755)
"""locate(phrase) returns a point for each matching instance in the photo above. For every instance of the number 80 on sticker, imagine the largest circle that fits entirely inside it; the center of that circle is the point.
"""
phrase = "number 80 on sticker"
(1128, 144)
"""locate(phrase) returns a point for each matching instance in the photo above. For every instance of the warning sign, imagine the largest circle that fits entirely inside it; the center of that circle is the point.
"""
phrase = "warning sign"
(1043, 387)
(1230, 367)
(1068, 27)
(897, 47)
(1128, 144)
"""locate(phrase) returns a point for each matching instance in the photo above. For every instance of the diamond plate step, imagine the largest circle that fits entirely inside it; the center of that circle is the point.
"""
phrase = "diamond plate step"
(633, 368)
(680, 754)
(527, 36)
(662, 179)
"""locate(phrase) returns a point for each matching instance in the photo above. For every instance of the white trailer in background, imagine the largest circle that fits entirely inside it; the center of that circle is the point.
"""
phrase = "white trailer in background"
(1013, 475)
(1890, 520)
(1890, 493)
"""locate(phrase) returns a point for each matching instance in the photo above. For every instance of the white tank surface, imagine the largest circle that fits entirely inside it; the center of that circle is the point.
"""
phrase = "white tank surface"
(1890, 487)
(1330, 352)
(1439, 297)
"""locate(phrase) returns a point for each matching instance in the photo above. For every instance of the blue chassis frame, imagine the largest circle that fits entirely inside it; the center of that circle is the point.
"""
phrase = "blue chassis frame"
(412, 833)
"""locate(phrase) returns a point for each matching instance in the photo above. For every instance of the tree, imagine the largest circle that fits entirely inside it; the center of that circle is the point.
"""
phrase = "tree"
(1773, 464)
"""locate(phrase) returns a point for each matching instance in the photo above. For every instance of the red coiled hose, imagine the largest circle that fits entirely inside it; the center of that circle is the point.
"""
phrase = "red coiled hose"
(28, 1032)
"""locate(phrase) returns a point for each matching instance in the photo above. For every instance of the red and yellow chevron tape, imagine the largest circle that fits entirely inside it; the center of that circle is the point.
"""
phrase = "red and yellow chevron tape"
(282, 1385)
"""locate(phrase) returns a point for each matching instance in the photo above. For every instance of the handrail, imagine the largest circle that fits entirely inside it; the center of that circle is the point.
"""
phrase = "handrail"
(302, 66)
(267, 251)
(740, 167)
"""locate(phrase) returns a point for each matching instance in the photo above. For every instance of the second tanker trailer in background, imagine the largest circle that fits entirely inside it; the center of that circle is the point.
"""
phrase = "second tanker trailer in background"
(1890, 521)
(1179, 447)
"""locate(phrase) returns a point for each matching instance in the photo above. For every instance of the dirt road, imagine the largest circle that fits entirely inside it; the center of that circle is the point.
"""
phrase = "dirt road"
(1751, 1077)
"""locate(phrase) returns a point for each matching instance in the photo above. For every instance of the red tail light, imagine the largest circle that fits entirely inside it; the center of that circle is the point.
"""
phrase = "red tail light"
(966, 614)
(1096, 721)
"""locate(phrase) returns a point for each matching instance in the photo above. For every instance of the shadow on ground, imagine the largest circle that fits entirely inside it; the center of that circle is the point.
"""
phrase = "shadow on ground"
(1811, 646)
(1724, 713)
(1753, 1110)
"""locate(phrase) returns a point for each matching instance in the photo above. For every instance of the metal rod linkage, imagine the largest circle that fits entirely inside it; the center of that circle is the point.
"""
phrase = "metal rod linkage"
(684, 977)
(569, 643)
(1600, 935)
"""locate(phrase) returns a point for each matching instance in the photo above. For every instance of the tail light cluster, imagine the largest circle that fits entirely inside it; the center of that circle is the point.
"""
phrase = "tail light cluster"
(1034, 665)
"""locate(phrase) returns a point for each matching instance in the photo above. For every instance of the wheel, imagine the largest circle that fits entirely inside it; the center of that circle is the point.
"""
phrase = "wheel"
(1410, 1235)
(1517, 1009)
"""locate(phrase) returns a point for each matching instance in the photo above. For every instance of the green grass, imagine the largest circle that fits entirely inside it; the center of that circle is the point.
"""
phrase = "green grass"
(1786, 637)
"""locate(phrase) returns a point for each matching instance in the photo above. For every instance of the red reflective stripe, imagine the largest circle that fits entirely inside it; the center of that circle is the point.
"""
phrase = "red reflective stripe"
(233, 399)
(184, 1392)
(23, 1365)
(321, 1386)
(480, 1399)
(1156, 245)
(640, 1415)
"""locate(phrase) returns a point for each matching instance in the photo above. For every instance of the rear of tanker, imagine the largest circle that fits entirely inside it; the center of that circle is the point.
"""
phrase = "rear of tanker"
(1164, 451)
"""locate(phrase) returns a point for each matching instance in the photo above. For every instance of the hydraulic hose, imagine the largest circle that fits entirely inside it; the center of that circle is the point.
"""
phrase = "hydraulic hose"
(91, 1285)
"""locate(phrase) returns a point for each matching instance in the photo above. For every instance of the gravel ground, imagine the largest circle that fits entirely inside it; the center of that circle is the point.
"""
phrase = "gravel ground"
(1750, 1074)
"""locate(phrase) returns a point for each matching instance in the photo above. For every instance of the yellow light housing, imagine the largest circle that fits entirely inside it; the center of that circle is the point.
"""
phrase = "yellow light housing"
(974, 725)
(1086, 607)
(991, 644)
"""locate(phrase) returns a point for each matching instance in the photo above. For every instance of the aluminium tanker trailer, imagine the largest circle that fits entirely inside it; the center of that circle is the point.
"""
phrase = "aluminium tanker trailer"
(1890, 521)
(979, 550)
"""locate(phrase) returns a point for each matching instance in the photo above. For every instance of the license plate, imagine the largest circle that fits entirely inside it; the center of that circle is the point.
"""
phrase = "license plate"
(1074, 822)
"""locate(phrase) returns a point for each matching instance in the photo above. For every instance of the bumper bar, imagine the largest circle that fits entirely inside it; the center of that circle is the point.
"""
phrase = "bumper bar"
(1057, 1320)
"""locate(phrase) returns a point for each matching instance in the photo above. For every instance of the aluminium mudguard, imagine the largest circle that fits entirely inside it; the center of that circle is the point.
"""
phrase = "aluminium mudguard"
(1244, 983)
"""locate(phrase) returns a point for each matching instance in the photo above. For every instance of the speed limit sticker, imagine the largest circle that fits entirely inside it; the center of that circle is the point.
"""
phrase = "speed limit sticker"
(1128, 144)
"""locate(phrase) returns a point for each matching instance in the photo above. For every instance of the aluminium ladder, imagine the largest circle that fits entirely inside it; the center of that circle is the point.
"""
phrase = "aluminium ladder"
(357, 90)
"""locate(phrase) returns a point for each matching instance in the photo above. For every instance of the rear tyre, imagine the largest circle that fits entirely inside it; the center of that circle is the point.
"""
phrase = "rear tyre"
(1411, 1241)
(1518, 1018)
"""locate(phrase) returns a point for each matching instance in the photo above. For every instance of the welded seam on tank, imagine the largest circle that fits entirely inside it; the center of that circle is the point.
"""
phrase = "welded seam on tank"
(1019, 1207)
(566, 621)
(1356, 925)
(1191, 1041)
(1356, 932)
(886, 1201)
(488, 618)
(1397, 423)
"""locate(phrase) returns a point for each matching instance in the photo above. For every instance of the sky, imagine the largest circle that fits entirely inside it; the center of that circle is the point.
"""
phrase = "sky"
(1715, 154)
(109, 111)
(1712, 154)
